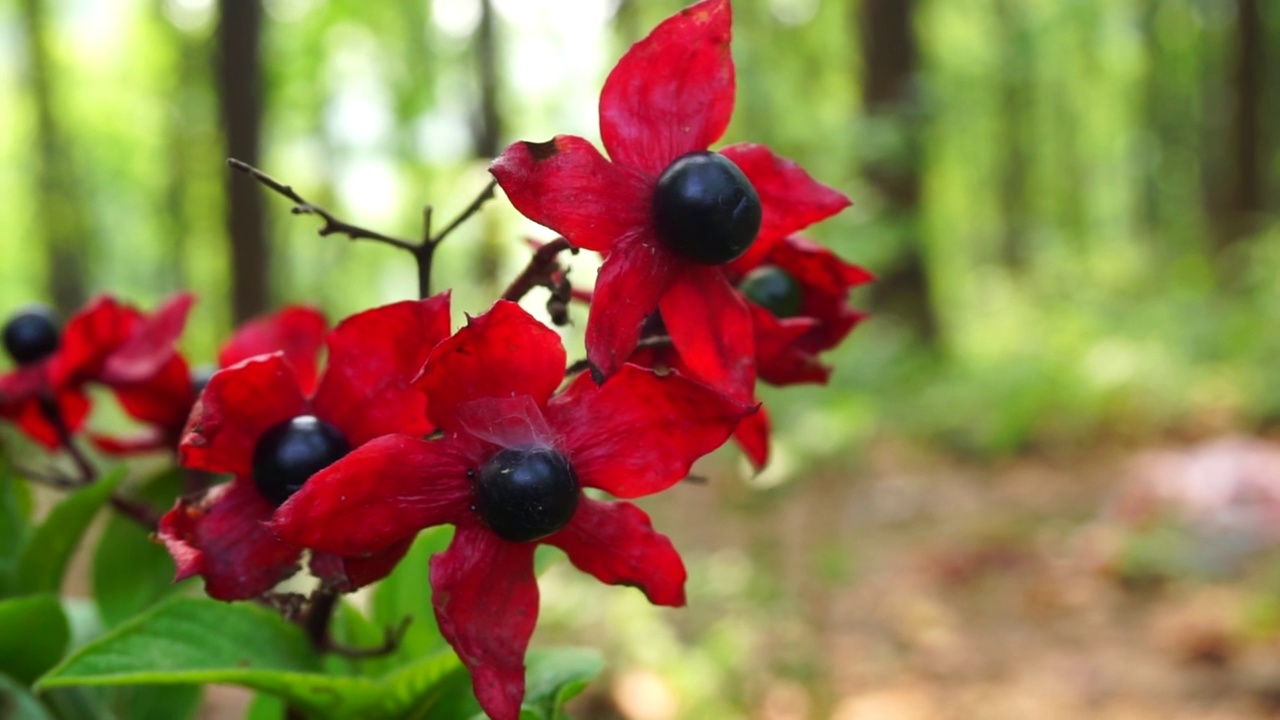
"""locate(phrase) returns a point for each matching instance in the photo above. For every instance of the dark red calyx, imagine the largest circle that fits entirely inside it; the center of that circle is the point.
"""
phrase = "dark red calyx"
(31, 335)
(773, 289)
(289, 453)
(526, 495)
(705, 208)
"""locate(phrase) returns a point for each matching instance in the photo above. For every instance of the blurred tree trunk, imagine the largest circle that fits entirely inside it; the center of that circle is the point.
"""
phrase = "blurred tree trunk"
(60, 209)
(240, 99)
(488, 128)
(1246, 185)
(889, 63)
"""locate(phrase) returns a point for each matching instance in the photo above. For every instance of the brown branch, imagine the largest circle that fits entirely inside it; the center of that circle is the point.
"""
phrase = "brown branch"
(301, 206)
(541, 267)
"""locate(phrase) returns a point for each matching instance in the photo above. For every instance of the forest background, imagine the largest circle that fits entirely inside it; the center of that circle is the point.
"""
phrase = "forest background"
(1073, 207)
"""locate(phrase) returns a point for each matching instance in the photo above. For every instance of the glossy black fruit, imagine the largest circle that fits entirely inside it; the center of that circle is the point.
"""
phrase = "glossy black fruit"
(526, 495)
(705, 209)
(773, 289)
(289, 453)
(31, 335)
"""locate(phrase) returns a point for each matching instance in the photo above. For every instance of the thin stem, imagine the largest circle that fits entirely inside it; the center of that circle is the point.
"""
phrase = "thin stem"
(391, 640)
(332, 224)
(316, 621)
(485, 196)
(539, 270)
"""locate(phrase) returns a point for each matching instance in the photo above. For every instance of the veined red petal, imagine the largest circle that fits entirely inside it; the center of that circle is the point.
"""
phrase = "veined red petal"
(374, 356)
(782, 357)
(629, 287)
(672, 92)
(504, 353)
(616, 542)
(296, 331)
(150, 346)
(378, 495)
(224, 538)
(486, 602)
(567, 185)
(710, 326)
(790, 199)
(640, 432)
(236, 407)
(752, 435)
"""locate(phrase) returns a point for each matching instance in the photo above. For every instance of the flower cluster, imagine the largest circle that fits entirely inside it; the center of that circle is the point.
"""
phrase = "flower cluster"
(705, 288)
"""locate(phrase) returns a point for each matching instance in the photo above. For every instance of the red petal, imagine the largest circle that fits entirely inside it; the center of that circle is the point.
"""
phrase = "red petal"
(506, 422)
(782, 356)
(568, 186)
(90, 336)
(164, 400)
(144, 442)
(381, 493)
(615, 542)
(373, 357)
(486, 601)
(236, 407)
(73, 405)
(504, 353)
(631, 282)
(296, 331)
(224, 538)
(672, 93)
(151, 344)
(640, 432)
(23, 382)
(790, 198)
(752, 435)
(352, 573)
(711, 327)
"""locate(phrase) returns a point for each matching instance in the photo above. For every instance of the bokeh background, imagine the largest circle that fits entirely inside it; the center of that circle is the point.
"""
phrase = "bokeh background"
(1039, 484)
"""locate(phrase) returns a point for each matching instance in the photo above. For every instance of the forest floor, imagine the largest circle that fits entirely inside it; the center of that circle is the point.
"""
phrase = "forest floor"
(905, 587)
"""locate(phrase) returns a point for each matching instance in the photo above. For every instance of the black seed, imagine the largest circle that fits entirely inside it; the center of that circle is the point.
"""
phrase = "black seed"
(31, 335)
(289, 453)
(705, 209)
(773, 289)
(526, 495)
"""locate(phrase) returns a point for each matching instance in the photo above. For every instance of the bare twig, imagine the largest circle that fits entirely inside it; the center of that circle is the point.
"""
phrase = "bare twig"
(392, 637)
(423, 251)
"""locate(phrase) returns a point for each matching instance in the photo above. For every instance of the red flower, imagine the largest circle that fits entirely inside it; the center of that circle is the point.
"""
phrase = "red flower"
(105, 342)
(259, 421)
(164, 402)
(666, 213)
(798, 293)
(509, 475)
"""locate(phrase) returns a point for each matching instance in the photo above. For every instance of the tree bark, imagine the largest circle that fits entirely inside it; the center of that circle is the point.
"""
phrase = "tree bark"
(61, 217)
(1245, 202)
(240, 94)
(889, 64)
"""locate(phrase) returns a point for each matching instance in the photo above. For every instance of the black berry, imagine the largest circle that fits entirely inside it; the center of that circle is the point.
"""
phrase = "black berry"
(31, 335)
(289, 453)
(526, 495)
(773, 289)
(705, 209)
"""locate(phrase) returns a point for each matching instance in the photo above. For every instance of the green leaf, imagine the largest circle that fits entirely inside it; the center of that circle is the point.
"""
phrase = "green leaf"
(556, 676)
(130, 571)
(33, 636)
(265, 707)
(45, 557)
(406, 592)
(18, 704)
(158, 702)
(196, 640)
(15, 523)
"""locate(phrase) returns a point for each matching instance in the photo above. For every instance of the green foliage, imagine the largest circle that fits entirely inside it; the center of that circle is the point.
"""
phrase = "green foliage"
(406, 593)
(18, 704)
(45, 556)
(33, 636)
(15, 524)
(195, 641)
(131, 572)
